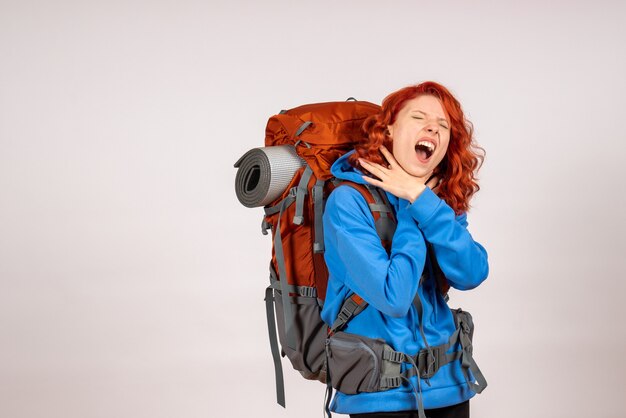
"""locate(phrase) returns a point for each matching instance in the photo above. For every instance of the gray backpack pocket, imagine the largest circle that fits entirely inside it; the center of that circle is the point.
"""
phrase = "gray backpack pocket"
(356, 363)
(310, 331)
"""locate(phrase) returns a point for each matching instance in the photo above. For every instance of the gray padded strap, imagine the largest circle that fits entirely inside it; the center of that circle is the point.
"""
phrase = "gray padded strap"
(271, 327)
(378, 207)
(378, 199)
(375, 192)
(318, 208)
(348, 310)
(301, 193)
(383, 194)
(385, 226)
(282, 271)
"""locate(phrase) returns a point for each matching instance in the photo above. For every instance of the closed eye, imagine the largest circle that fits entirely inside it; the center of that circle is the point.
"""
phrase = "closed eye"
(441, 124)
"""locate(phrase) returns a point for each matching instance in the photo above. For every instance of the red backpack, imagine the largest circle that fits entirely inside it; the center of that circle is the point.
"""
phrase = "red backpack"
(320, 133)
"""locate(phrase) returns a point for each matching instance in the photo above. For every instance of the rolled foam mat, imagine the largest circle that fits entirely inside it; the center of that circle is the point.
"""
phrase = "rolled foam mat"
(264, 173)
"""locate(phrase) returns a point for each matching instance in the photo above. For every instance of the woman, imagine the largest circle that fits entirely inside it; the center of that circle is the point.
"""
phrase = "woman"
(418, 149)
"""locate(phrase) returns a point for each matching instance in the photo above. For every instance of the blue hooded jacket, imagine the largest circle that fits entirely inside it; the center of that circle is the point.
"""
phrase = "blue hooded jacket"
(358, 263)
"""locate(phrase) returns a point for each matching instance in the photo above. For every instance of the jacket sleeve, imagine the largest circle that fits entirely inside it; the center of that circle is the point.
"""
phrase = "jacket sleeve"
(462, 260)
(355, 254)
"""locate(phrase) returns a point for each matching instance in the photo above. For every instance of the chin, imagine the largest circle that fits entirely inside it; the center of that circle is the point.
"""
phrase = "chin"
(419, 171)
(416, 169)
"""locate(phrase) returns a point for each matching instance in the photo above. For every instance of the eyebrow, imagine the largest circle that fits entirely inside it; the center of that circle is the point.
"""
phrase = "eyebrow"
(415, 110)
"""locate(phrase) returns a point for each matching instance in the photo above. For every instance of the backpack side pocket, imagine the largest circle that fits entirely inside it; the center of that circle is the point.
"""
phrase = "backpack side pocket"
(355, 363)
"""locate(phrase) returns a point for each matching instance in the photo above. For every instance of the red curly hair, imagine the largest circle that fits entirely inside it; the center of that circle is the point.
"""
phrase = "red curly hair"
(458, 167)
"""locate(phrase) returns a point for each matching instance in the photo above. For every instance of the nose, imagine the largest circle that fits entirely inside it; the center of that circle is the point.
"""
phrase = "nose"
(433, 128)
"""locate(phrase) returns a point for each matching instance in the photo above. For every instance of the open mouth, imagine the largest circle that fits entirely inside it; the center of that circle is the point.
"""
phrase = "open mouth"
(423, 152)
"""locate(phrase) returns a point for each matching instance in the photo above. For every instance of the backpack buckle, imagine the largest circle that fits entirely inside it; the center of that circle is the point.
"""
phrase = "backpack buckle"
(428, 362)
(344, 315)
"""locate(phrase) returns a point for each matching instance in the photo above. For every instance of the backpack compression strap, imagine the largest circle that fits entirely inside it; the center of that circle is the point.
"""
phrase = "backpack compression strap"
(271, 326)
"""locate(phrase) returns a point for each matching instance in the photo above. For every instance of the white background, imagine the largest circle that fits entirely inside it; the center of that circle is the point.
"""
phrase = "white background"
(132, 280)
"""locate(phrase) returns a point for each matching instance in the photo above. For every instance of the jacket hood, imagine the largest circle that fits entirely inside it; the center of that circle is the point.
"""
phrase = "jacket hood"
(343, 170)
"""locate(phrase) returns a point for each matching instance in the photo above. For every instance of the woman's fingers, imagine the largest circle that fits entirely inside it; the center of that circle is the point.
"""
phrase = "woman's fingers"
(372, 167)
(382, 169)
(394, 178)
(389, 156)
(373, 182)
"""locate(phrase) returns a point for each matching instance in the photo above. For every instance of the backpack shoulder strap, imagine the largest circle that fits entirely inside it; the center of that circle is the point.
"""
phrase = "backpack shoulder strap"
(386, 226)
(351, 307)
(385, 222)
(383, 214)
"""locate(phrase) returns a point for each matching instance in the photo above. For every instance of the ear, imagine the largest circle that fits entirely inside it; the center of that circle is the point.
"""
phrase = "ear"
(389, 131)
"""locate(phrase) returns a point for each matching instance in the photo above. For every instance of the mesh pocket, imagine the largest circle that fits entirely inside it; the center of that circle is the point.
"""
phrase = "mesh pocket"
(354, 363)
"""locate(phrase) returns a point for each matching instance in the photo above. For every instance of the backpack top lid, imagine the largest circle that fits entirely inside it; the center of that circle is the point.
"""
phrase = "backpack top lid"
(322, 132)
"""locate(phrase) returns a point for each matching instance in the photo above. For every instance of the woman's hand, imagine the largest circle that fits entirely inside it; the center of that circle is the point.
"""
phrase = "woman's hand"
(395, 180)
